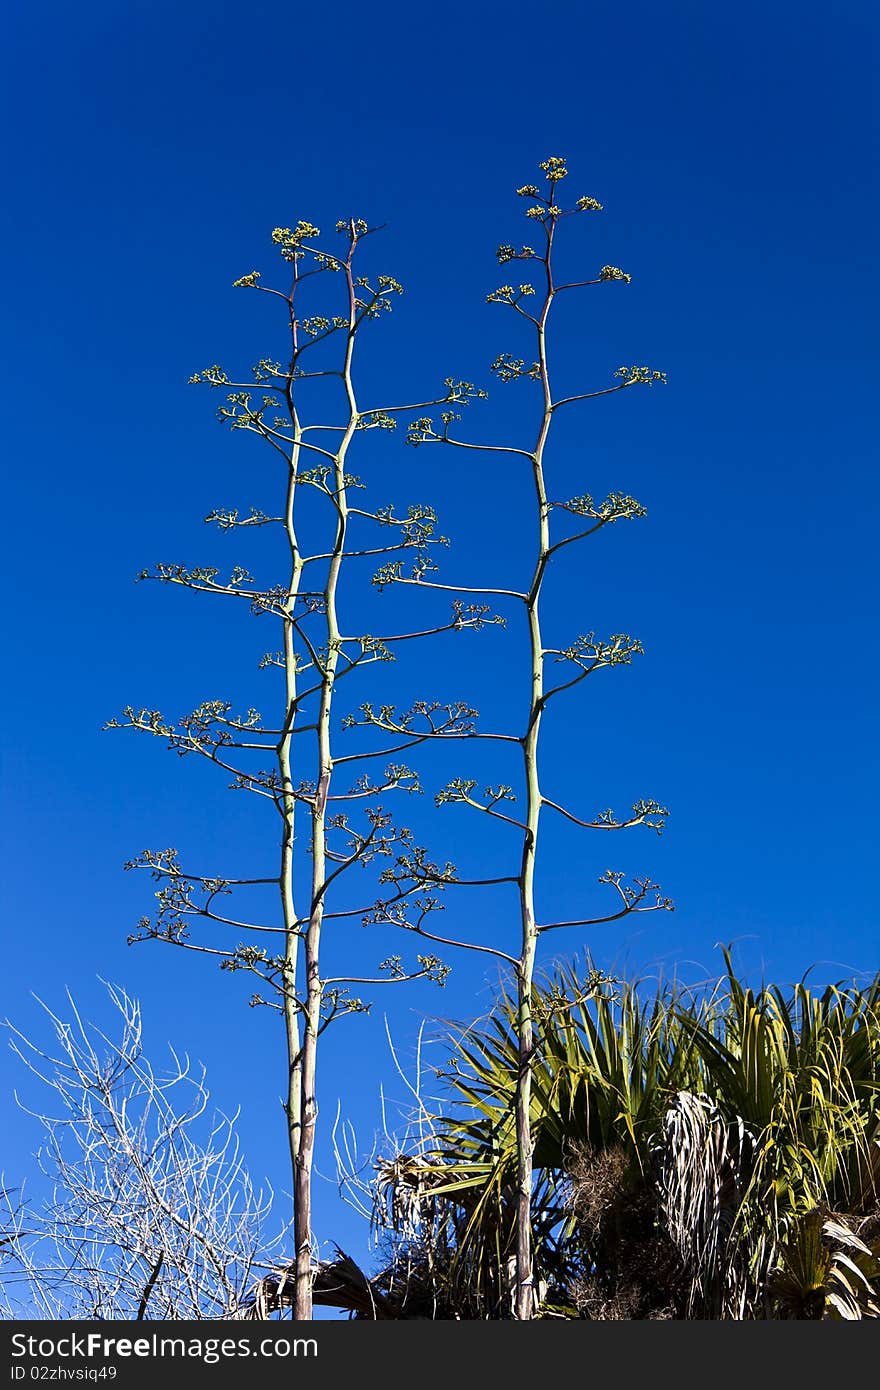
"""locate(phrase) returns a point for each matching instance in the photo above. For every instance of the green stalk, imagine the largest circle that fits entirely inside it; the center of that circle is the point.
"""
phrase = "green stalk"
(290, 1006)
(525, 1294)
(313, 983)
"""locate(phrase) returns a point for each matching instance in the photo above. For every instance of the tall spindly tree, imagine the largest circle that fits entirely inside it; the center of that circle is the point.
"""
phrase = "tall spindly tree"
(556, 525)
(290, 762)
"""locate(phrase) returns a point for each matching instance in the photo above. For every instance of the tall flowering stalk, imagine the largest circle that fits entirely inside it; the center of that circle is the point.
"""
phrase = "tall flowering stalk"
(583, 657)
(347, 824)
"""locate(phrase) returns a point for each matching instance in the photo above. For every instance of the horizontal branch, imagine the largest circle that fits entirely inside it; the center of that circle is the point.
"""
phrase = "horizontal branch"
(157, 869)
(459, 588)
(180, 942)
(462, 945)
(418, 544)
(378, 980)
(578, 285)
(589, 395)
(642, 811)
(233, 922)
(487, 448)
(602, 921)
(631, 900)
(419, 738)
(632, 376)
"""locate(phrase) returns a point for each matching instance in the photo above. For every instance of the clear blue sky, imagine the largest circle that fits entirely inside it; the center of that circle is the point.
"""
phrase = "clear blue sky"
(150, 150)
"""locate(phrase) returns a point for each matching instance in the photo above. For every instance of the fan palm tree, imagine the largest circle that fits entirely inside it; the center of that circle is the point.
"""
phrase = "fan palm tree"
(708, 1155)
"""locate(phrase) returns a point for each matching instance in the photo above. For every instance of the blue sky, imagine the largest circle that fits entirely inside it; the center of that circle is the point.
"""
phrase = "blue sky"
(152, 150)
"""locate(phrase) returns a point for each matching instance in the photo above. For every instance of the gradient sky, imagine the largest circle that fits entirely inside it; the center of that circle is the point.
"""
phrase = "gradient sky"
(151, 148)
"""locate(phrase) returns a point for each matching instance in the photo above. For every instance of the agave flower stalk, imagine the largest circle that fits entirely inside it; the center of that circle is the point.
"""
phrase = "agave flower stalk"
(315, 654)
(581, 658)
